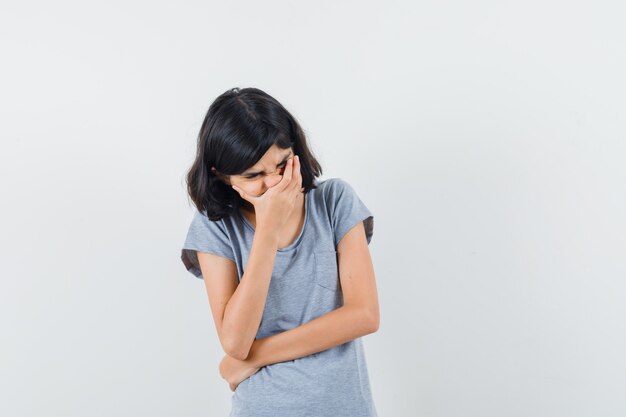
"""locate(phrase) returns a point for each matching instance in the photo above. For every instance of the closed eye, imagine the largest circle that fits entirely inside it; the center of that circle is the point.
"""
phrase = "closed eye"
(281, 165)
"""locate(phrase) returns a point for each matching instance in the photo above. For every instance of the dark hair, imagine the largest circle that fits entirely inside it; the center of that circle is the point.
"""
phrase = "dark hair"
(239, 127)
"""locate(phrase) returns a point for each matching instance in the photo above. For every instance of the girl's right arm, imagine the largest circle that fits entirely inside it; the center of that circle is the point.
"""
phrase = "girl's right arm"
(237, 308)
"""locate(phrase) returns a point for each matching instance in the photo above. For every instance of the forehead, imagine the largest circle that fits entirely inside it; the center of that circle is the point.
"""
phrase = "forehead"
(270, 159)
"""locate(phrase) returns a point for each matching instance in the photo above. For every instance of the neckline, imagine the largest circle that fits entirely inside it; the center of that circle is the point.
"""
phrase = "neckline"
(295, 243)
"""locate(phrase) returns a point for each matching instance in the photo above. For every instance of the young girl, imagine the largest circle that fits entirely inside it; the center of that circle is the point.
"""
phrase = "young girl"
(285, 261)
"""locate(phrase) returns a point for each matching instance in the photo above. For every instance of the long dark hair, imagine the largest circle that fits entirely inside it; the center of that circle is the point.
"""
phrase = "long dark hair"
(239, 127)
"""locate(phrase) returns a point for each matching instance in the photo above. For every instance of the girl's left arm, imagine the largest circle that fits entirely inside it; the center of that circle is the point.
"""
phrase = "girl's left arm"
(358, 316)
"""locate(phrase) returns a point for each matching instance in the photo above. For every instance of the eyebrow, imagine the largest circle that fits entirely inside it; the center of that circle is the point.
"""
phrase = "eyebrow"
(263, 172)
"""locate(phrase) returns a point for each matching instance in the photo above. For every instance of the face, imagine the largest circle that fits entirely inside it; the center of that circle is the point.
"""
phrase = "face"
(266, 173)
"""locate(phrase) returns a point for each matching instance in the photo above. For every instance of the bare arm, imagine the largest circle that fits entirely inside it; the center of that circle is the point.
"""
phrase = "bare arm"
(244, 310)
(332, 329)
(358, 316)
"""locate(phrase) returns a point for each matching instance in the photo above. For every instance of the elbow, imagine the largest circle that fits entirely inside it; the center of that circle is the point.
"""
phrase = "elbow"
(233, 345)
(375, 324)
(373, 320)
(236, 350)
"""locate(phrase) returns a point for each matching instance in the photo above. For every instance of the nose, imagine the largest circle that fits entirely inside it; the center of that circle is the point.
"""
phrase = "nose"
(272, 179)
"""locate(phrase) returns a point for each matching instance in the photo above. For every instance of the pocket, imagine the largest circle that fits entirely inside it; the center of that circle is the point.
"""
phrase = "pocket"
(326, 269)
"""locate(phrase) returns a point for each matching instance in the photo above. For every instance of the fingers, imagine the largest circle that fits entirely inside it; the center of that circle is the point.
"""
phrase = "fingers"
(287, 175)
(285, 181)
(292, 176)
(299, 174)
(296, 183)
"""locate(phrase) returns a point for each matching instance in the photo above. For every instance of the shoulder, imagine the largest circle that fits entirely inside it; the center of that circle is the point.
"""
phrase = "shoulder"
(205, 235)
(339, 194)
(344, 207)
(202, 227)
(334, 188)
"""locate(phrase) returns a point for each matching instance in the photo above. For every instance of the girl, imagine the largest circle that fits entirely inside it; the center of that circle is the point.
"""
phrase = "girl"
(285, 262)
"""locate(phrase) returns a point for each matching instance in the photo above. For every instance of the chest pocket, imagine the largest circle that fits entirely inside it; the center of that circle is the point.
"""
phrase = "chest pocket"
(327, 270)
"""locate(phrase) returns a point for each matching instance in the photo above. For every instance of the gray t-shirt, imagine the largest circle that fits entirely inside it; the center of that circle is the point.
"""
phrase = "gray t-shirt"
(304, 285)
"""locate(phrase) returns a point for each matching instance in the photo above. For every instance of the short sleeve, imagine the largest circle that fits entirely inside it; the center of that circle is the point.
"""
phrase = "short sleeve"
(347, 210)
(205, 235)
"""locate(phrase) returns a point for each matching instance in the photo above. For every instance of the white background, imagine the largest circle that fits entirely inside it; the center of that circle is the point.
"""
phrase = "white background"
(486, 137)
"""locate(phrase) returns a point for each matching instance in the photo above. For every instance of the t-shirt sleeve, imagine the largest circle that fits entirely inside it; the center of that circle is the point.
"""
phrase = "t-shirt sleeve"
(205, 235)
(347, 210)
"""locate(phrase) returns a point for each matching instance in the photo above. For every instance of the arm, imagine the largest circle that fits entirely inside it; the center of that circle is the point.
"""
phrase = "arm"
(357, 317)
(332, 329)
(244, 310)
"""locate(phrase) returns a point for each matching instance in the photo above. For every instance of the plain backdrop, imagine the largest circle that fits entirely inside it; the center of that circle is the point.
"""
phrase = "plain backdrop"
(486, 137)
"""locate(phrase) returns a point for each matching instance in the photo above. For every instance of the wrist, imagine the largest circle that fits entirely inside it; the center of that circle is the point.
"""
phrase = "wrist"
(269, 236)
